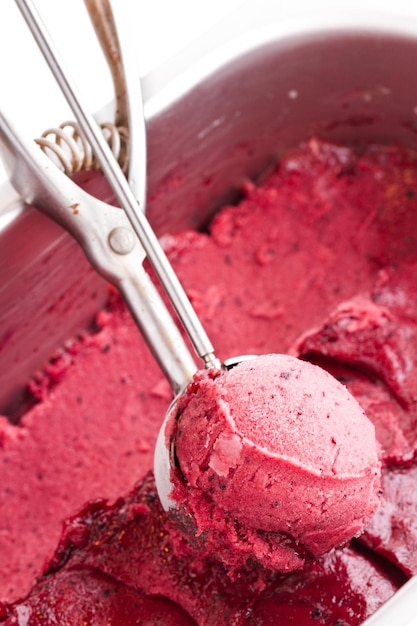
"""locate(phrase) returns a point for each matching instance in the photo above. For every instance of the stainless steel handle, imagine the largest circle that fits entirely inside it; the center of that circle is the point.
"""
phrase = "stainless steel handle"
(101, 230)
(122, 191)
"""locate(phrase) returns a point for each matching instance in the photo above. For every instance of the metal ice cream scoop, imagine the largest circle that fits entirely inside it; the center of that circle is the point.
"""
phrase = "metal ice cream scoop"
(115, 240)
(108, 235)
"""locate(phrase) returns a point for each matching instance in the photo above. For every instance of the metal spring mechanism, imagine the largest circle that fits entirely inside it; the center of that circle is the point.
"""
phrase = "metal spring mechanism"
(66, 144)
(68, 148)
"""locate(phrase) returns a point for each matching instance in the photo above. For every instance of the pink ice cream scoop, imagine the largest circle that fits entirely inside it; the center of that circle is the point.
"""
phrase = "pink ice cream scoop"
(275, 461)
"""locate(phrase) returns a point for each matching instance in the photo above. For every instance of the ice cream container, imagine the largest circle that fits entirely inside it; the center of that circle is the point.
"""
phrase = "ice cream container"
(218, 112)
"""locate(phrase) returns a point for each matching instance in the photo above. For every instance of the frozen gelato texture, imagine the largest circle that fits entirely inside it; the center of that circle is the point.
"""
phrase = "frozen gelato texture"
(115, 566)
(275, 460)
(319, 261)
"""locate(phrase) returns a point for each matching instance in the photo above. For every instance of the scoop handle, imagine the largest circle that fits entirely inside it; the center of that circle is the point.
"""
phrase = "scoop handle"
(112, 171)
(113, 30)
(106, 236)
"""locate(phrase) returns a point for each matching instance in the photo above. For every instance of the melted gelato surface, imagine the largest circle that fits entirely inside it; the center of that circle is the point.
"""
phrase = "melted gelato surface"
(319, 262)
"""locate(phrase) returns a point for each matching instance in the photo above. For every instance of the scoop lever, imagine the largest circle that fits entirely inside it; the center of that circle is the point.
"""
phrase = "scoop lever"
(107, 238)
(116, 241)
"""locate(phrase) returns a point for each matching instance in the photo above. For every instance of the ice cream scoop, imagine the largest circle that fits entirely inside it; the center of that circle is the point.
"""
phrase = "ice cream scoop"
(116, 242)
(274, 460)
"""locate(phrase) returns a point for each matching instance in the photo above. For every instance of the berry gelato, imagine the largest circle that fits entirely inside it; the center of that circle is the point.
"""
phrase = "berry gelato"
(275, 460)
(317, 262)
